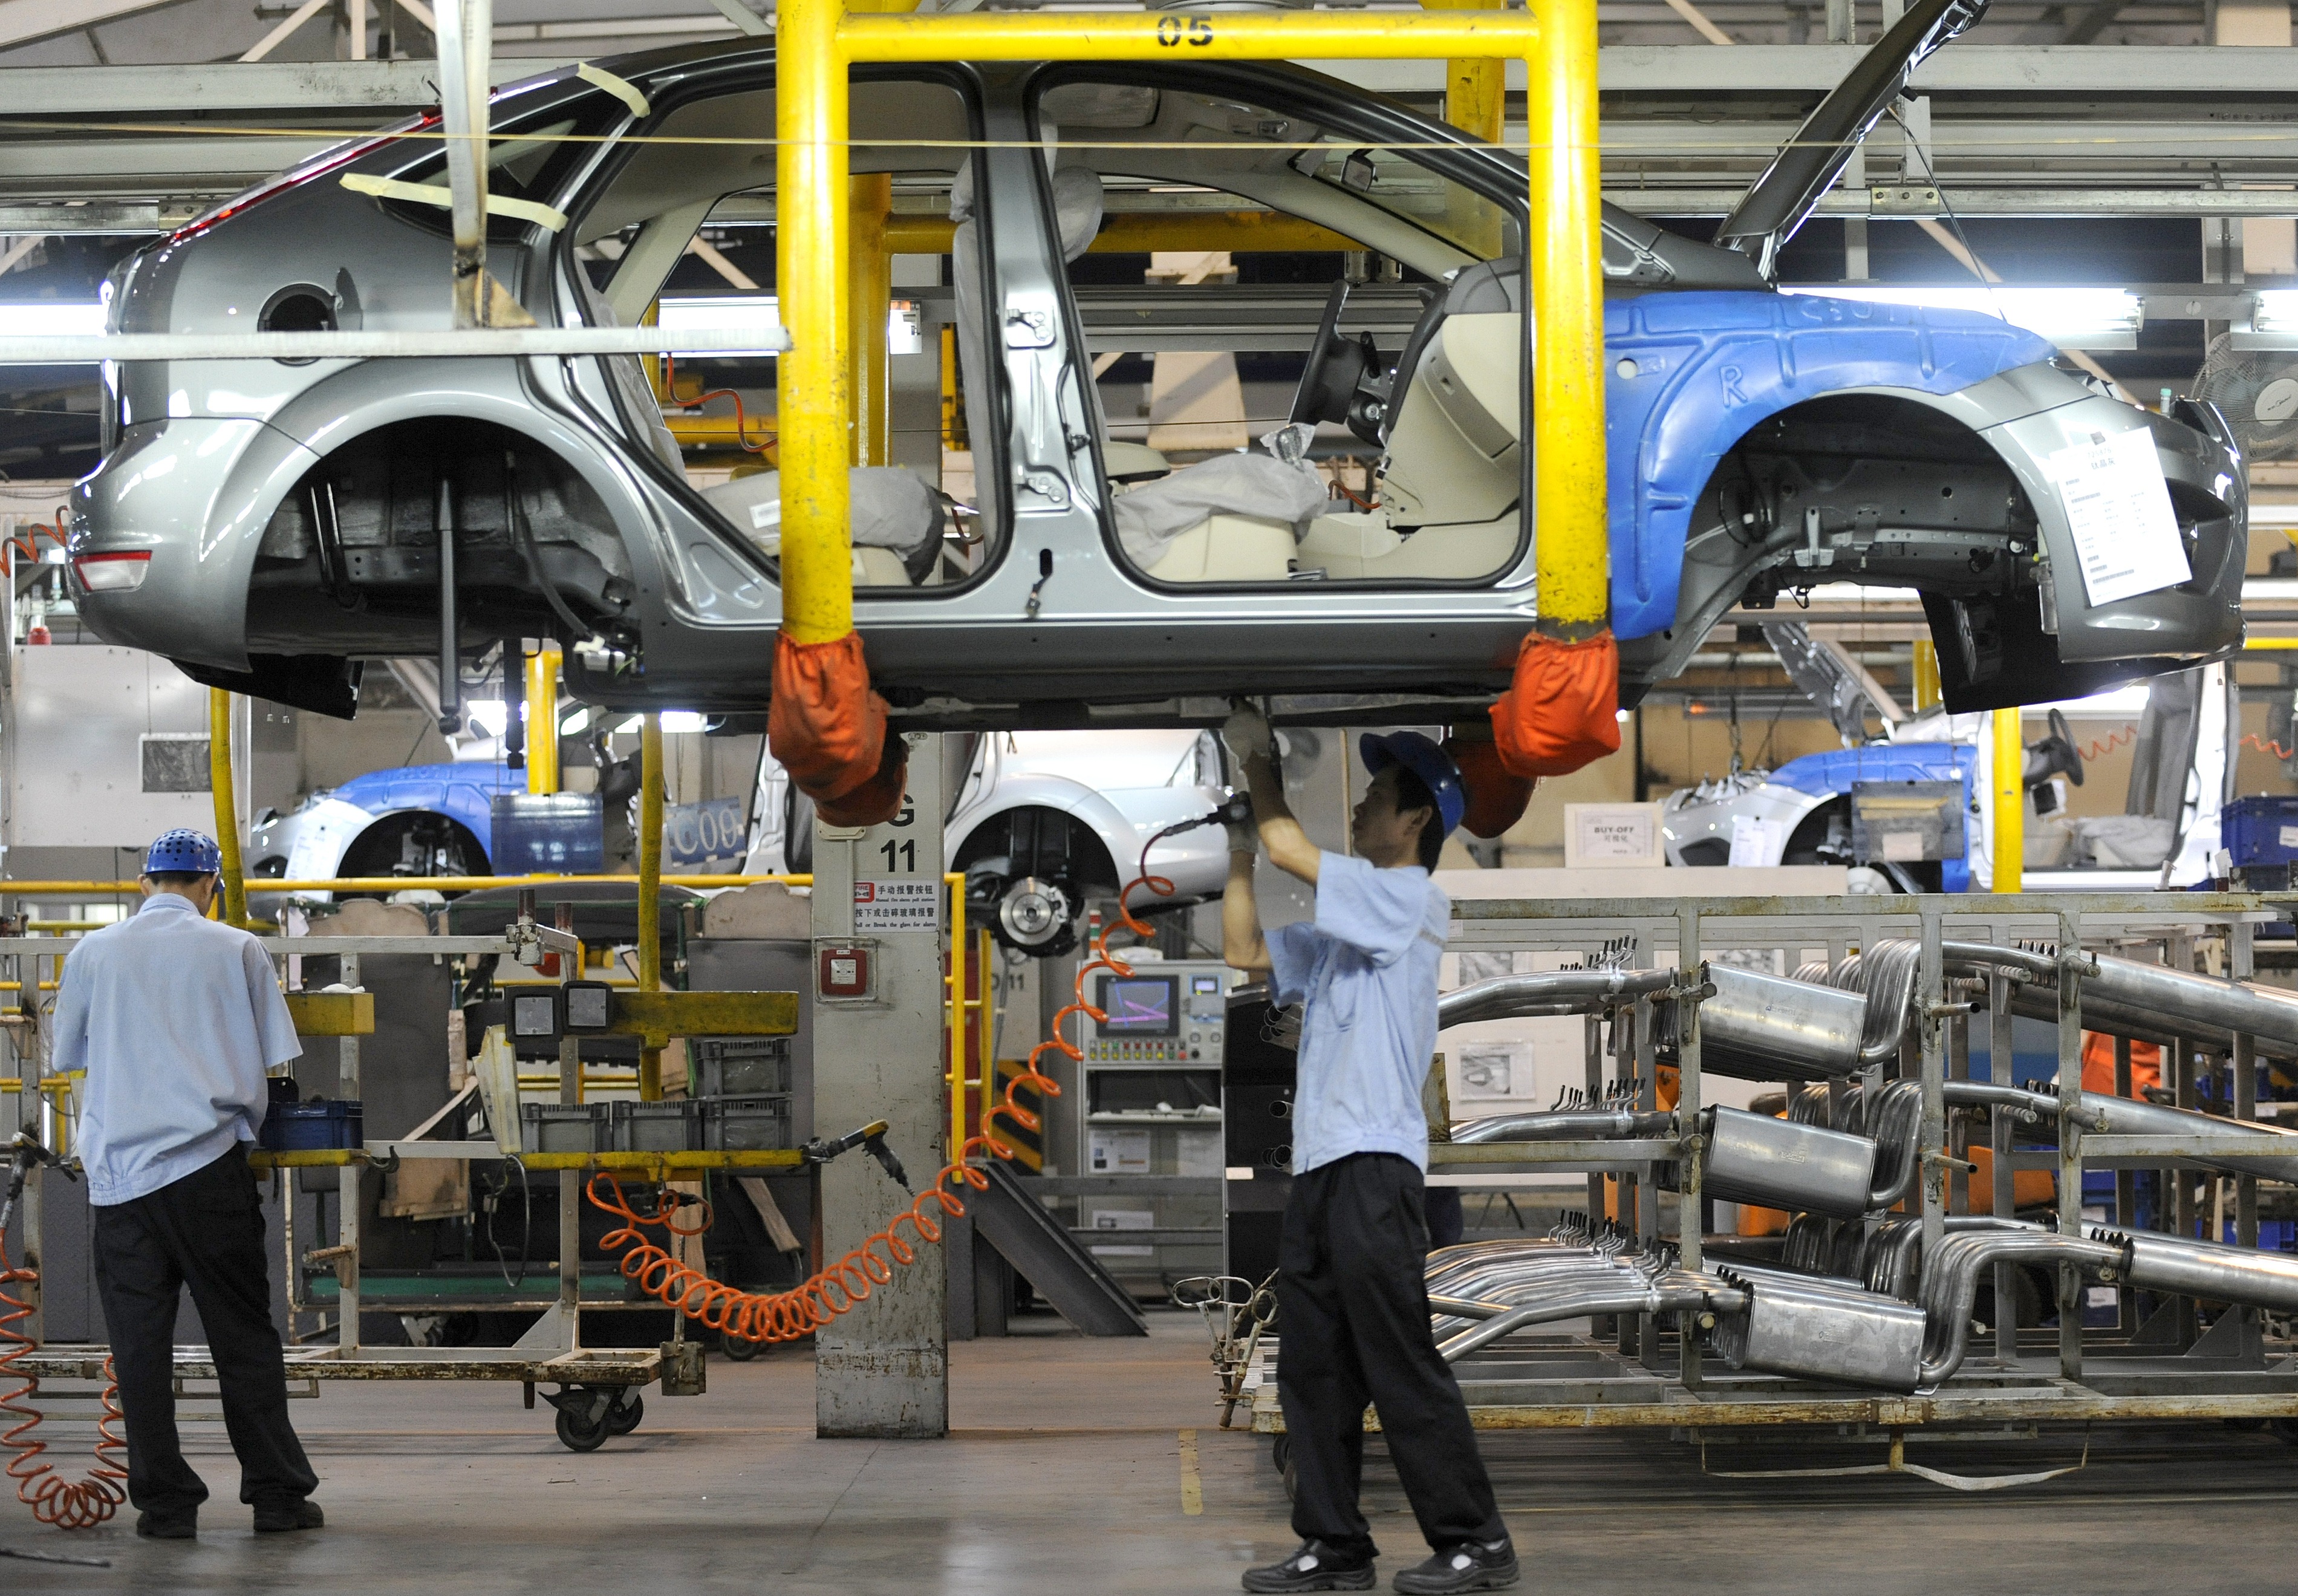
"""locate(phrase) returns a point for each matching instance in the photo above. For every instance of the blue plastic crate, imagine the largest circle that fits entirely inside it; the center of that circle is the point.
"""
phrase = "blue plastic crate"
(324, 1126)
(2261, 830)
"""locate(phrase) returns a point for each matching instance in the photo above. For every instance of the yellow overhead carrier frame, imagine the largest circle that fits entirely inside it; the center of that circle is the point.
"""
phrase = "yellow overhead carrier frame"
(817, 40)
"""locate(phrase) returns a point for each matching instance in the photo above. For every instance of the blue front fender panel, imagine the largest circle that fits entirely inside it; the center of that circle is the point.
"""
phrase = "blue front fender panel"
(1687, 375)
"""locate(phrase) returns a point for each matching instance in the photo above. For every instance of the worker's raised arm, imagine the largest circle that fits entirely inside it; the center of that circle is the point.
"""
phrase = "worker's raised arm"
(1242, 946)
(1289, 848)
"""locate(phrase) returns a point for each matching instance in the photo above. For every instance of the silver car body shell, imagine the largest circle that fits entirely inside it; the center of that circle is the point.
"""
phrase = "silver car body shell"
(233, 439)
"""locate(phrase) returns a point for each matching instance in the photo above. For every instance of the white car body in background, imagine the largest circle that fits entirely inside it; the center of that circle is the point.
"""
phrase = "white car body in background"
(1118, 788)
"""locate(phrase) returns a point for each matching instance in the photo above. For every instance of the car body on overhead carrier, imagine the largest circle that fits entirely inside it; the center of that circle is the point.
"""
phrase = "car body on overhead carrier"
(269, 524)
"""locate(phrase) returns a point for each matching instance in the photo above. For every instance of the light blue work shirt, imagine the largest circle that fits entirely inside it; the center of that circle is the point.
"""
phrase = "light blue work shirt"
(1364, 972)
(175, 1017)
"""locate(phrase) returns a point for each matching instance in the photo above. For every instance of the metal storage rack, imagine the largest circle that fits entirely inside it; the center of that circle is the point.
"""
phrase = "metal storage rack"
(1646, 1373)
(598, 1383)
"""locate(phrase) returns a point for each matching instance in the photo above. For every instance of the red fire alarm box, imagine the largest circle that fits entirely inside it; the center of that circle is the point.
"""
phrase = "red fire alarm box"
(842, 972)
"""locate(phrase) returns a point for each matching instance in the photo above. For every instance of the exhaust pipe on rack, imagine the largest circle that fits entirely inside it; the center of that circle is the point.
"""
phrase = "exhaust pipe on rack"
(2160, 1001)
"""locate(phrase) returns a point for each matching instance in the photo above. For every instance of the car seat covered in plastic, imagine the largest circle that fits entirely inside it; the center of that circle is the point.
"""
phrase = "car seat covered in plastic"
(897, 520)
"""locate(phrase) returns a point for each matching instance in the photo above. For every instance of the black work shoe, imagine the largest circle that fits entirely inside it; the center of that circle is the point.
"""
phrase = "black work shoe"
(1470, 1565)
(280, 1518)
(167, 1526)
(1317, 1565)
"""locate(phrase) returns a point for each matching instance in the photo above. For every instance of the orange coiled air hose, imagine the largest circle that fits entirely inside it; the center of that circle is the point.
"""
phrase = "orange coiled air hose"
(68, 1504)
(805, 1308)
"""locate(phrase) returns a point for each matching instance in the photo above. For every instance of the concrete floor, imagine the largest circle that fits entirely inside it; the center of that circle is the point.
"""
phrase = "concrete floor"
(1065, 1474)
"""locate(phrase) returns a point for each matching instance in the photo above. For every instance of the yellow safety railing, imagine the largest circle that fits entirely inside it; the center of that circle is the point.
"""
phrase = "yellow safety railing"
(816, 41)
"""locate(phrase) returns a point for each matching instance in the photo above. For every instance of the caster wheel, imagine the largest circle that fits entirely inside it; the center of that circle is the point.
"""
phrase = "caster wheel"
(741, 1349)
(578, 1433)
(1280, 1451)
(624, 1415)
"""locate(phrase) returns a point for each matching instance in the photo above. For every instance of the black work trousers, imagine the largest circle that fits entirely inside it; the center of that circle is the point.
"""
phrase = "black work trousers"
(204, 1231)
(1352, 1328)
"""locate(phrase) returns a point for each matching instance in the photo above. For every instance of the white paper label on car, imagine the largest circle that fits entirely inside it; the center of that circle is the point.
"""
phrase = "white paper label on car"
(1755, 842)
(2118, 512)
(2290, 836)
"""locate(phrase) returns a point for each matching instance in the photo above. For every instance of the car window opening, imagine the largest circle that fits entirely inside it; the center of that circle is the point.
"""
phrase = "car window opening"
(687, 230)
(1386, 450)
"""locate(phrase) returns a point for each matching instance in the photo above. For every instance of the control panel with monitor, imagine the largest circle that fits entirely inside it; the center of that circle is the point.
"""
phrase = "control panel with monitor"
(1158, 1014)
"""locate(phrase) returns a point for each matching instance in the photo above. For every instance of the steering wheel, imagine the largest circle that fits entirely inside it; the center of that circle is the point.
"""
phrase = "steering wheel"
(1335, 366)
(2062, 732)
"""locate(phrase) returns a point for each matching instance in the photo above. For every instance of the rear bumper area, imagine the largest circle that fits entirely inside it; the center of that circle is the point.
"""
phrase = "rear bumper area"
(196, 493)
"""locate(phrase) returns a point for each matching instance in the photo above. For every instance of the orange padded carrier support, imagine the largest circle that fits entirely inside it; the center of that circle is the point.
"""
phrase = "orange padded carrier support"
(827, 728)
(1561, 711)
(1496, 795)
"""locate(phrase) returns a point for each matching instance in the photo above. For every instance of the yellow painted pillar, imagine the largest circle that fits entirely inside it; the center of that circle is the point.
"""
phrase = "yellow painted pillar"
(227, 806)
(2009, 847)
(650, 890)
(543, 719)
(1476, 91)
(1572, 550)
(869, 372)
(1927, 691)
(811, 260)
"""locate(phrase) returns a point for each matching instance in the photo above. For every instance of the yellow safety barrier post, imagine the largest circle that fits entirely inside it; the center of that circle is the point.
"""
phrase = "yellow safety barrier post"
(1926, 674)
(955, 884)
(816, 43)
(543, 719)
(227, 805)
(650, 890)
(2009, 849)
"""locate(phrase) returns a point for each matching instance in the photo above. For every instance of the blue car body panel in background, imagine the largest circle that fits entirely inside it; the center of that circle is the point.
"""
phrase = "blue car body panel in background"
(1689, 374)
(1830, 774)
(466, 792)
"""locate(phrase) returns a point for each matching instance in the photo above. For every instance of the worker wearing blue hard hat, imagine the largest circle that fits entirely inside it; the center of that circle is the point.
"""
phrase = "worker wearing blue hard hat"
(1352, 1296)
(177, 1020)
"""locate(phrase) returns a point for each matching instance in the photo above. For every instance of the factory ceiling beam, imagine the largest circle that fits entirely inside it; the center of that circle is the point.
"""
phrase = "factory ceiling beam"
(2086, 22)
(22, 21)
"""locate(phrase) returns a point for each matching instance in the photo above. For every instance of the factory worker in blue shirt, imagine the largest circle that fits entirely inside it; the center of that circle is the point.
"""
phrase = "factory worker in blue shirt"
(176, 1018)
(1353, 1299)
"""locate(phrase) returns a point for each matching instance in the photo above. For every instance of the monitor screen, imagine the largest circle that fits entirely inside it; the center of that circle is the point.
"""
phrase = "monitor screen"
(1139, 1005)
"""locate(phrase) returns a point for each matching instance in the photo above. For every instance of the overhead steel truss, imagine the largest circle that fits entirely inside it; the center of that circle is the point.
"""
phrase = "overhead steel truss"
(2074, 130)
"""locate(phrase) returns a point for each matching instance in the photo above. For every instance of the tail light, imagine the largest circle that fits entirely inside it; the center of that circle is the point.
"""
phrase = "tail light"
(113, 573)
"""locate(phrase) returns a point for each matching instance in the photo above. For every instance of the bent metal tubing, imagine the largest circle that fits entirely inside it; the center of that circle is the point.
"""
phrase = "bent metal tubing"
(816, 40)
(1951, 1274)
(1547, 992)
(2171, 1000)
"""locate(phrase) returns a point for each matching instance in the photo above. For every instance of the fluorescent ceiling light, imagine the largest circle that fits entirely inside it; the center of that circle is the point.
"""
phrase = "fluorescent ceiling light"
(50, 317)
(2117, 703)
(759, 310)
(680, 720)
(2070, 318)
(2276, 312)
(903, 334)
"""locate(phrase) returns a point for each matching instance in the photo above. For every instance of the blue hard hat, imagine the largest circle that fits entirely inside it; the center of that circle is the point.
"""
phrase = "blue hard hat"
(183, 852)
(1421, 757)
